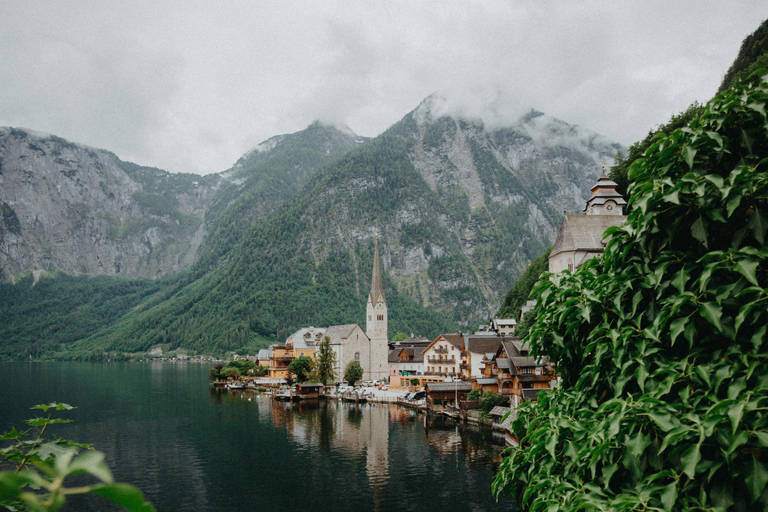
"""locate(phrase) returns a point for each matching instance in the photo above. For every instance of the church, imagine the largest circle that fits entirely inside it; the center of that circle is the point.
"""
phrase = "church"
(370, 347)
(581, 236)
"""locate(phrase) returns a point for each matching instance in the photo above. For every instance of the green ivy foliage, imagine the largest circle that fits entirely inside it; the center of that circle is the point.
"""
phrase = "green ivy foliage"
(661, 343)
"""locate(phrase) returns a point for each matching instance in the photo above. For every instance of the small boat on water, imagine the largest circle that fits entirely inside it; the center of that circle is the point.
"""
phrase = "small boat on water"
(235, 384)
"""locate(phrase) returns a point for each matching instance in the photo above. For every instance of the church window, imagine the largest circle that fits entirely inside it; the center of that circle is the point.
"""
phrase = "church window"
(357, 356)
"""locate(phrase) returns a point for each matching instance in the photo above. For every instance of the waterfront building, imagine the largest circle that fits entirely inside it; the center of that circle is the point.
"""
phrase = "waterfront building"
(370, 347)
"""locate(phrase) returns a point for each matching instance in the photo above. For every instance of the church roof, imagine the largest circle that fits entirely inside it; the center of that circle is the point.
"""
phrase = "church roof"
(339, 332)
(584, 232)
(377, 291)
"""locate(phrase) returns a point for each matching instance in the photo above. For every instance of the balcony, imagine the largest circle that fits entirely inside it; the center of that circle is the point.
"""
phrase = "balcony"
(441, 350)
(435, 360)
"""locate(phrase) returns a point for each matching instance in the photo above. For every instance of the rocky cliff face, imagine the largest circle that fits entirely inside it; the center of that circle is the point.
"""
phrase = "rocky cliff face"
(460, 210)
(499, 198)
(82, 210)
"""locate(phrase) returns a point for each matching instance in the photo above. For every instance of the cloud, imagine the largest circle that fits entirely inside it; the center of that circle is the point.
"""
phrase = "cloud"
(191, 86)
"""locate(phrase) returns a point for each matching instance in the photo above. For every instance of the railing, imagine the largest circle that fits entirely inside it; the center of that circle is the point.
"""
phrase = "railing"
(435, 360)
(441, 351)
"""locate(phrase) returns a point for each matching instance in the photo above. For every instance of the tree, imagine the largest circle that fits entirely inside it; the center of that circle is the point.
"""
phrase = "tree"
(301, 367)
(325, 361)
(353, 373)
(400, 336)
(661, 343)
(289, 377)
(216, 374)
(490, 400)
(414, 381)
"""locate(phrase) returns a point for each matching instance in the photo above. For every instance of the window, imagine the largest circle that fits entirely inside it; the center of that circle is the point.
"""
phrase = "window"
(357, 356)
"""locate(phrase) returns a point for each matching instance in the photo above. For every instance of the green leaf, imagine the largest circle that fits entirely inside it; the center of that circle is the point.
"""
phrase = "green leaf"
(690, 458)
(688, 155)
(748, 268)
(757, 225)
(756, 478)
(735, 413)
(733, 203)
(664, 420)
(712, 312)
(669, 495)
(676, 327)
(91, 462)
(758, 337)
(127, 496)
(11, 485)
(699, 231)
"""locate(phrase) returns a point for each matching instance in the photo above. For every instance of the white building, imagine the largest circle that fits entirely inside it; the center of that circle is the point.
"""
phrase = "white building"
(581, 236)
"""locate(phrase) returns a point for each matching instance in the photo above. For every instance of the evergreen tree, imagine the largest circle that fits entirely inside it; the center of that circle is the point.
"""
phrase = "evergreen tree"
(325, 360)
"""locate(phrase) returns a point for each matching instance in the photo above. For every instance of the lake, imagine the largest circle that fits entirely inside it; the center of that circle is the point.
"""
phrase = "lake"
(192, 448)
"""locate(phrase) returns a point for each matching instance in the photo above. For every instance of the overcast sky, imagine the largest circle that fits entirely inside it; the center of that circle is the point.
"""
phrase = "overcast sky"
(190, 86)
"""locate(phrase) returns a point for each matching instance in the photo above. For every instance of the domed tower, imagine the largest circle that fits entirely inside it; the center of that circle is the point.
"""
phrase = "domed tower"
(605, 199)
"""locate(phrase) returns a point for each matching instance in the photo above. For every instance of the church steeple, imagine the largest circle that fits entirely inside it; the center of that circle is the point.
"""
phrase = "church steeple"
(377, 292)
(376, 309)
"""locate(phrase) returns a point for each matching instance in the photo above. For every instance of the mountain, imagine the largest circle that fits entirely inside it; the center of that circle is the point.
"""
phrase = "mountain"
(83, 211)
(460, 210)
(68, 207)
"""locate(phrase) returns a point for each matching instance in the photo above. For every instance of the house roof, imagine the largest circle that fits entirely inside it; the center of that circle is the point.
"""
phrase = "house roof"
(512, 348)
(499, 410)
(532, 394)
(484, 344)
(584, 232)
(503, 363)
(264, 354)
(340, 332)
(415, 355)
(528, 361)
(507, 322)
(487, 381)
(508, 421)
(448, 386)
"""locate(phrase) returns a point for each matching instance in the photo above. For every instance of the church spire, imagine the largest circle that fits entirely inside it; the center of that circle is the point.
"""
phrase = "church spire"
(377, 291)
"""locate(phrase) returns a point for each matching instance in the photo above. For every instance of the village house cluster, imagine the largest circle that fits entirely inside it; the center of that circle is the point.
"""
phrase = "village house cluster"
(451, 365)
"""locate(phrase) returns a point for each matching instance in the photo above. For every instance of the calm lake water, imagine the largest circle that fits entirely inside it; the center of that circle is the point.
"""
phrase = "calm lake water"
(192, 448)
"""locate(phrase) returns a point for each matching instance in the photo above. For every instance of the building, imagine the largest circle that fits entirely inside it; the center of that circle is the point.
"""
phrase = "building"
(305, 341)
(581, 236)
(350, 343)
(377, 324)
(505, 326)
(461, 356)
(406, 359)
(370, 347)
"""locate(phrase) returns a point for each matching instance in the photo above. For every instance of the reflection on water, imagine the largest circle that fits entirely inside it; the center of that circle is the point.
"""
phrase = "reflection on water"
(193, 448)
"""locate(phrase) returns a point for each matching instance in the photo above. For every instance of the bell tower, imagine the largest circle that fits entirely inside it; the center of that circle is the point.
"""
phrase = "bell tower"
(376, 321)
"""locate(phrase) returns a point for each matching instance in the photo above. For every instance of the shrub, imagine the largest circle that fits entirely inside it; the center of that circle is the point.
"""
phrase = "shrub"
(661, 343)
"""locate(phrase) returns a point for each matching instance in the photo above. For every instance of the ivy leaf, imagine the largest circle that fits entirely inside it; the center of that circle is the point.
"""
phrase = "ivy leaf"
(757, 225)
(688, 154)
(748, 268)
(669, 495)
(699, 231)
(676, 327)
(756, 478)
(735, 413)
(690, 458)
(712, 312)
